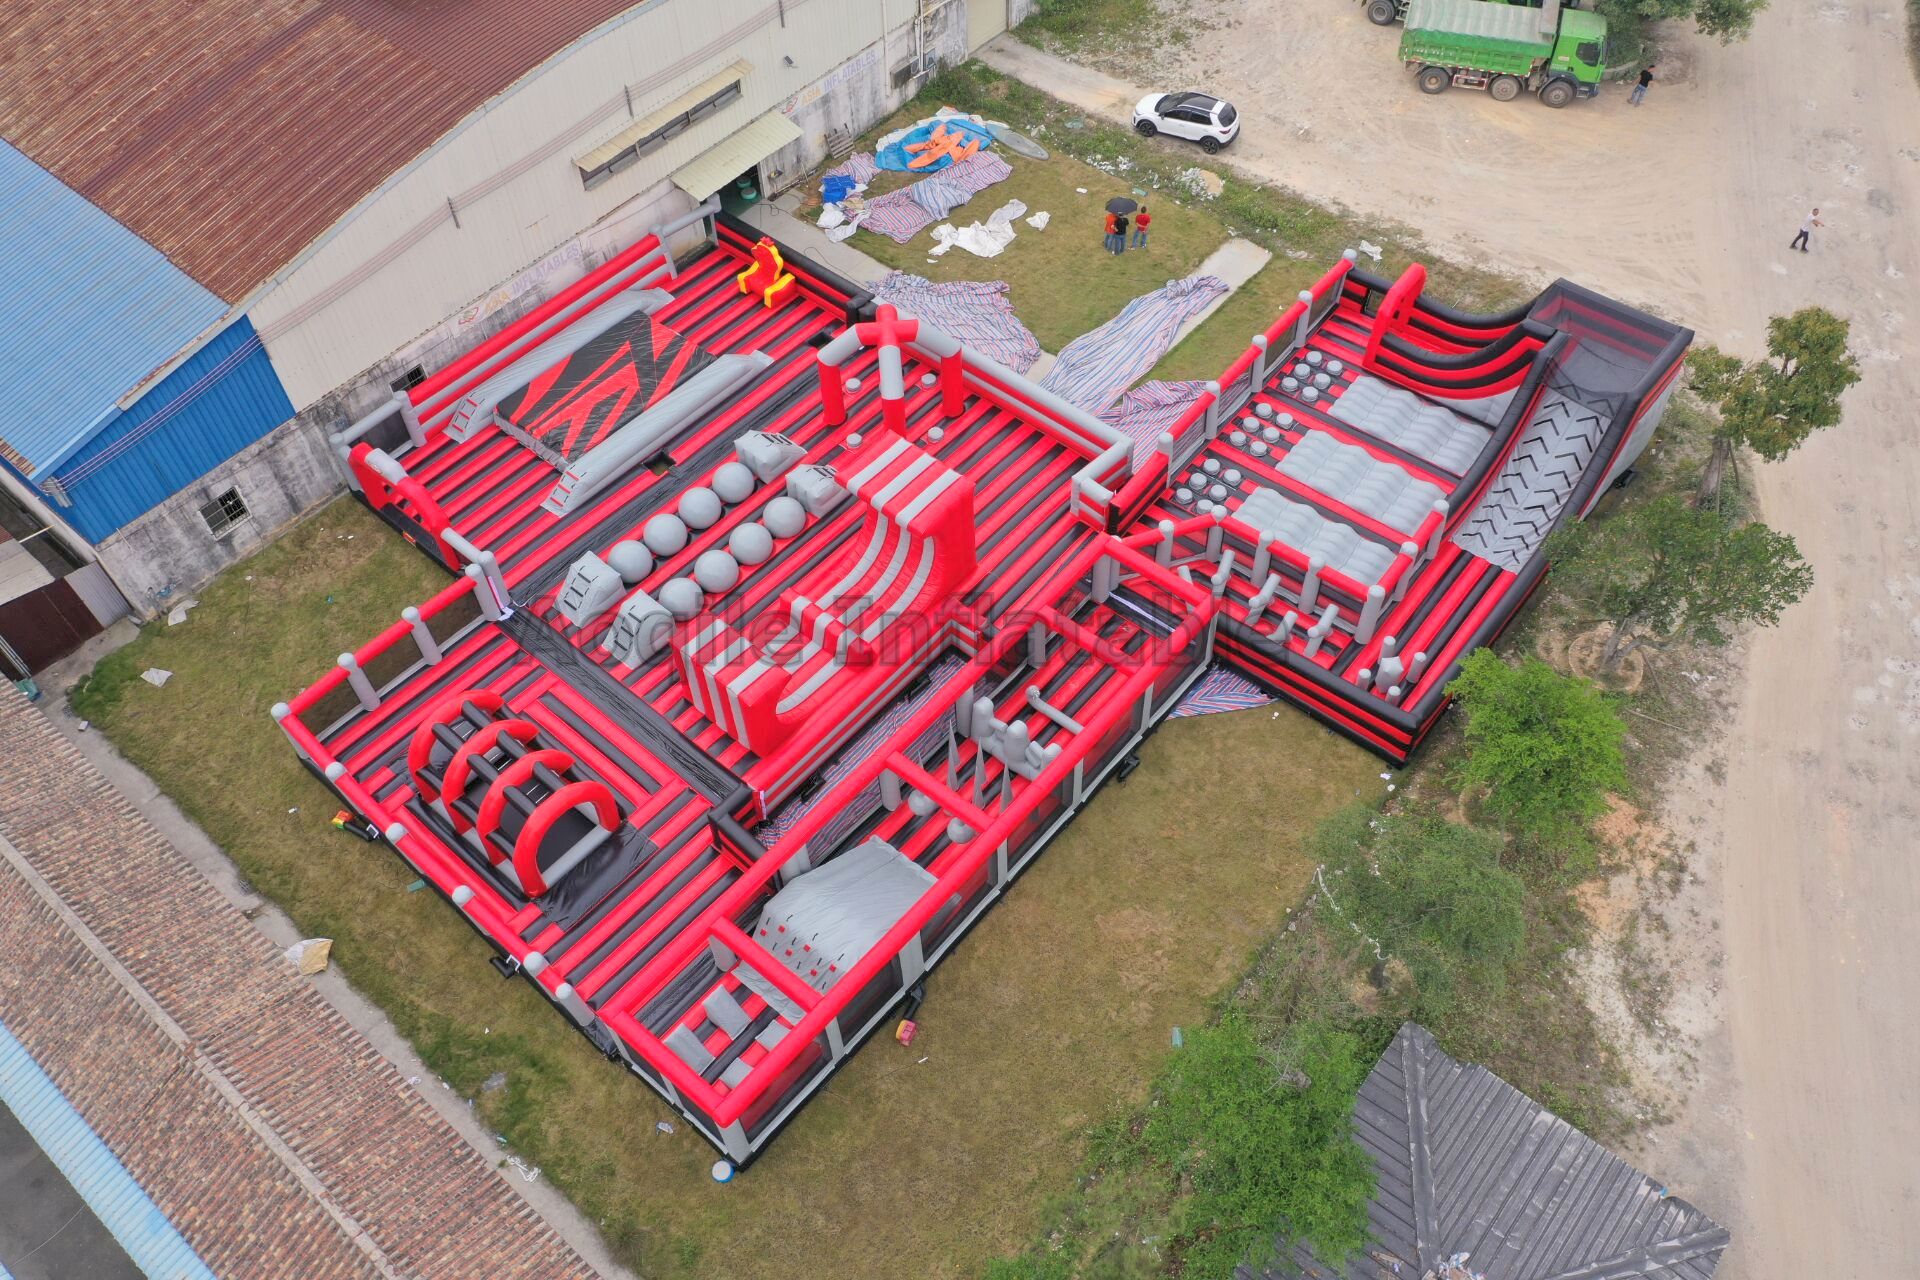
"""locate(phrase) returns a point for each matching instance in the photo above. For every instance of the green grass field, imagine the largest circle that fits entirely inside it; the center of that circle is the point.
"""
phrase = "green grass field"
(1060, 281)
(1056, 1010)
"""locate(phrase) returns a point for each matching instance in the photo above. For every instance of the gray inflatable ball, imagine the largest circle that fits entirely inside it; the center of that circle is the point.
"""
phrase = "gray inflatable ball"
(665, 534)
(1264, 410)
(716, 571)
(750, 543)
(733, 482)
(1238, 439)
(682, 598)
(700, 507)
(1231, 475)
(784, 517)
(920, 803)
(928, 379)
(1183, 495)
(631, 560)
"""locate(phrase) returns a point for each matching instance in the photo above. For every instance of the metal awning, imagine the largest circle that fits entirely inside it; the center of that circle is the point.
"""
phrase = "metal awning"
(745, 149)
(666, 113)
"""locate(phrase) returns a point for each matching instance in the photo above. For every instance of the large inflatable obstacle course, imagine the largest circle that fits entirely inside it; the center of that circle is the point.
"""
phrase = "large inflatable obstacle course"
(785, 630)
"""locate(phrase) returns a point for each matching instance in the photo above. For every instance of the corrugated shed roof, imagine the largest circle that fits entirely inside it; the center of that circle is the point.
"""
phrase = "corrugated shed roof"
(746, 147)
(1467, 1164)
(90, 310)
(123, 1208)
(231, 133)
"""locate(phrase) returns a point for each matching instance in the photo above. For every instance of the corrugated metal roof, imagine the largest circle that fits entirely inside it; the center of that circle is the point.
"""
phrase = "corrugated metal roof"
(1467, 1164)
(123, 1208)
(221, 399)
(748, 146)
(90, 310)
(231, 133)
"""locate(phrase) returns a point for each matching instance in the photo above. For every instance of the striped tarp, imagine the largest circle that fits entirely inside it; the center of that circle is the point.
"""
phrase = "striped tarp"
(1220, 690)
(901, 215)
(1097, 367)
(859, 166)
(977, 313)
(1149, 409)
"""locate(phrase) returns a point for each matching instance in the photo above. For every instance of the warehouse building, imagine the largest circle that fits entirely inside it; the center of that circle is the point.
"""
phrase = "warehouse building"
(225, 228)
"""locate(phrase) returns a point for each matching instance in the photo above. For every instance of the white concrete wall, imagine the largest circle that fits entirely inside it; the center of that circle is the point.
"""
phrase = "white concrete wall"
(398, 264)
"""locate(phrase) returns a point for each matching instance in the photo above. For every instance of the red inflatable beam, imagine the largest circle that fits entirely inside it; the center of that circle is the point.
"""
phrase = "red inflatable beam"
(453, 783)
(494, 804)
(420, 747)
(526, 848)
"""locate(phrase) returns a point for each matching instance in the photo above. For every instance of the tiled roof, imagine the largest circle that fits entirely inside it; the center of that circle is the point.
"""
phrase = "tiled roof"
(230, 133)
(1467, 1164)
(271, 1133)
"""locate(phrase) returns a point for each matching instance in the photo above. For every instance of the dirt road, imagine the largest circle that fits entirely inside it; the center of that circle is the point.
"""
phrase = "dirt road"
(1803, 1128)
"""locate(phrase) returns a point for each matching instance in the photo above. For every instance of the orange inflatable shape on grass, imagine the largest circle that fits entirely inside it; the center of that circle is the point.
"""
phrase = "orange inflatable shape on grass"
(768, 276)
(940, 143)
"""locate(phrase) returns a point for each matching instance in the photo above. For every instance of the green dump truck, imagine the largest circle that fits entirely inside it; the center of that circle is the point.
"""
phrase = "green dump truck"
(1555, 52)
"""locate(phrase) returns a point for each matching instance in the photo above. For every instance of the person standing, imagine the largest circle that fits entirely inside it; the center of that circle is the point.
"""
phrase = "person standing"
(1640, 90)
(1140, 222)
(1113, 229)
(1806, 231)
(1120, 230)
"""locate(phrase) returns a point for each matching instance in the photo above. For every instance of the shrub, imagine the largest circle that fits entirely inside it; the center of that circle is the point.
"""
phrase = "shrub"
(1263, 1156)
(1544, 749)
(1428, 892)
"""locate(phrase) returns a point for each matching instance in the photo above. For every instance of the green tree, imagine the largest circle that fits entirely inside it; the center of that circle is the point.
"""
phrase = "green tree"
(1543, 747)
(1429, 892)
(1259, 1154)
(1728, 20)
(1771, 406)
(1664, 570)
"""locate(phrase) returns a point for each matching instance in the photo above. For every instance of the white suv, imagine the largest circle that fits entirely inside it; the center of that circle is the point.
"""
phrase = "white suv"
(1193, 116)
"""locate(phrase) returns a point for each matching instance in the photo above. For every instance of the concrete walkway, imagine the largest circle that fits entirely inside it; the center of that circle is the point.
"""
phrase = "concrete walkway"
(1235, 262)
(800, 234)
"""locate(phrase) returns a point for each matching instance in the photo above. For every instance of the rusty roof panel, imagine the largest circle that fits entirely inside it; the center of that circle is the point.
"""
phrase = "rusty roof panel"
(229, 133)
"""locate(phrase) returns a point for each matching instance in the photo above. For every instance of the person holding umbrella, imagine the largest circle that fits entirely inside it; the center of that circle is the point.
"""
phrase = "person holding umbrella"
(1117, 210)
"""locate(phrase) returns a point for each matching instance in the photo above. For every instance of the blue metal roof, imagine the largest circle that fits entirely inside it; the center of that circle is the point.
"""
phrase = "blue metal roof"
(90, 309)
(123, 1207)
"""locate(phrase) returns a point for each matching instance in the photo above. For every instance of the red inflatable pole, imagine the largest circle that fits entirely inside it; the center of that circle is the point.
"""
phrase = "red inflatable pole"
(953, 384)
(833, 394)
